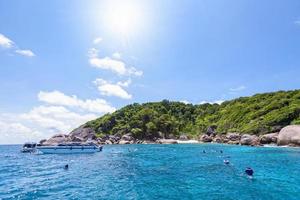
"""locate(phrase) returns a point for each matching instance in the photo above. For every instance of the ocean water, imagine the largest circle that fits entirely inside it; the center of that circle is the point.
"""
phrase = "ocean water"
(152, 172)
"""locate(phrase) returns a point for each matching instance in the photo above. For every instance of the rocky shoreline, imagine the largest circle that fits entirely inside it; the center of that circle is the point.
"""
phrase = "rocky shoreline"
(288, 136)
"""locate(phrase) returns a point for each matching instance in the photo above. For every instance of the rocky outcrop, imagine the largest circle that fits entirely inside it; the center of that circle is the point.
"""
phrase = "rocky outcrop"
(183, 137)
(233, 136)
(166, 141)
(289, 135)
(211, 131)
(270, 138)
(206, 138)
(83, 134)
(108, 142)
(42, 141)
(247, 139)
(124, 142)
(127, 137)
(57, 139)
(218, 139)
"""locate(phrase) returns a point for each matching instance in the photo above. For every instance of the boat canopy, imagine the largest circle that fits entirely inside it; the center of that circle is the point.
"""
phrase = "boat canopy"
(29, 145)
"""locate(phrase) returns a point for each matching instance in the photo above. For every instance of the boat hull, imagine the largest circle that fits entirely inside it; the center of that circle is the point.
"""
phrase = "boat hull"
(68, 149)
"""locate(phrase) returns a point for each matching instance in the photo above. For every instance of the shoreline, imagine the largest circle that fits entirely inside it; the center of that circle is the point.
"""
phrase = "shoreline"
(181, 142)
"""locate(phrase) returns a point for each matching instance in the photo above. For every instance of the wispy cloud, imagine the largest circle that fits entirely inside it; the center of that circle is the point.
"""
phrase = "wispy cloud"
(25, 52)
(297, 22)
(97, 40)
(107, 63)
(117, 55)
(212, 102)
(185, 101)
(237, 89)
(5, 42)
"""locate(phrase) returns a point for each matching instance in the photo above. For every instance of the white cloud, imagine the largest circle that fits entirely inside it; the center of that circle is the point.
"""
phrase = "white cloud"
(56, 119)
(97, 40)
(125, 83)
(116, 55)
(16, 133)
(5, 42)
(185, 101)
(60, 114)
(116, 66)
(40, 123)
(25, 52)
(212, 102)
(237, 89)
(107, 63)
(93, 53)
(59, 98)
(110, 89)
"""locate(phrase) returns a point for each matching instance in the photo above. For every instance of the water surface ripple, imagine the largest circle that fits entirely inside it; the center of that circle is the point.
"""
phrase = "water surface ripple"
(152, 172)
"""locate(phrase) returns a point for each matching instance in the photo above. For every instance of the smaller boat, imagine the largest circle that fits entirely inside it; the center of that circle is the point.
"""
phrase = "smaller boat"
(29, 147)
(69, 148)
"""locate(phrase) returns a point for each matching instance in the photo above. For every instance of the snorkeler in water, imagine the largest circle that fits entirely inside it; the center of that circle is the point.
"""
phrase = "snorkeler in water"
(226, 162)
(249, 171)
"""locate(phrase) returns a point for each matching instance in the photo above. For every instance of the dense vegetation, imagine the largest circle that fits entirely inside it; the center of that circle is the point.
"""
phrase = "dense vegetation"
(261, 113)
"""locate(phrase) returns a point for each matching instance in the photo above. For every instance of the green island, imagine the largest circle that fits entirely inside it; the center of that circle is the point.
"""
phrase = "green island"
(253, 120)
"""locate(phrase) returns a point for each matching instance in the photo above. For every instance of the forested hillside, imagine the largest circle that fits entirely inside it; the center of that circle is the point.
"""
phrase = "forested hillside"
(258, 114)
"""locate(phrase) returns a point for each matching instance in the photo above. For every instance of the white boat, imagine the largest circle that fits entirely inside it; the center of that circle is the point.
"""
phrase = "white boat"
(29, 147)
(68, 149)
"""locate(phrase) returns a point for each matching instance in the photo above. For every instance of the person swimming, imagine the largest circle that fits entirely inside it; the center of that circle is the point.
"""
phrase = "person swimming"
(226, 162)
(221, 151)
(204, 151)
(249, 171)
(66, 167)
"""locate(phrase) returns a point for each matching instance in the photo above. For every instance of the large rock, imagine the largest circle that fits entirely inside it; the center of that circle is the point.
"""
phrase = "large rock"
(218, 139)
(167, 141)
(108, 142)
(127, 137)
(247, 139)
(77, 139)
(269, 138)
(206, 138)
(171, 136)
(42, 141)
(124, 142)
(289, 135)
(236, 142)
(114, 139)
(211, 131)
(233, 136)
(83, 132)
(183, 137)
(57, 139)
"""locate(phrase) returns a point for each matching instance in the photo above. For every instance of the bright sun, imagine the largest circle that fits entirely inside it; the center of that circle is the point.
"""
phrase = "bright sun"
(123, 16)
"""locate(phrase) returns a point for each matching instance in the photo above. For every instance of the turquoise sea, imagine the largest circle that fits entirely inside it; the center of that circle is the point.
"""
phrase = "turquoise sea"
(152, 172)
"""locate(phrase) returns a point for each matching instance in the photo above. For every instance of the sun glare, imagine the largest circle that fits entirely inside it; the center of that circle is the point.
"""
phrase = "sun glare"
(123, 17)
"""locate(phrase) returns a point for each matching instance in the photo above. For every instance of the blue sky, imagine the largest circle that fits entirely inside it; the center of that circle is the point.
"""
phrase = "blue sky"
(64, 63)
